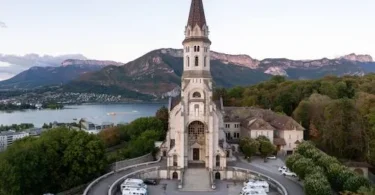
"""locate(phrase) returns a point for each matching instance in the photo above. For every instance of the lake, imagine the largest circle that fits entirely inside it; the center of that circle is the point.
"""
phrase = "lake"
(96, 113)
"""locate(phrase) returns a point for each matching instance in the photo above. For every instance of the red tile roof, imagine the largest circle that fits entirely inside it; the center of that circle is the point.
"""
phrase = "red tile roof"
(196, 16)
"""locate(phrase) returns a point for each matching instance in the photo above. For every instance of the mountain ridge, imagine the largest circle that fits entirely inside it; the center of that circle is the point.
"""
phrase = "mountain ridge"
(158, 73)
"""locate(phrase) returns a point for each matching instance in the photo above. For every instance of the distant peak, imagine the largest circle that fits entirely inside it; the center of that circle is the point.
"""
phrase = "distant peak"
(357, 57)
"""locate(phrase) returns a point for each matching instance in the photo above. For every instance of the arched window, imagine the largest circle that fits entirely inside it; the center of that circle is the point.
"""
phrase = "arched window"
(218, 160)
(196, 61)
(198, 49)
(196, 95)
(195, 48)
(205, 61)
(188, 61)
(175, 160)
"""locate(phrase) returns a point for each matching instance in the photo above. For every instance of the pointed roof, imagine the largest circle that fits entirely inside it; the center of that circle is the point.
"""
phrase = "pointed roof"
(196, 15)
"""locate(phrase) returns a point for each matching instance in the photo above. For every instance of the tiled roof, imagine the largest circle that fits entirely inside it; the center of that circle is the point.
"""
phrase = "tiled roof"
(278, 121)
(257, 123)
(196, 16)
(174, 101)
(279, 141)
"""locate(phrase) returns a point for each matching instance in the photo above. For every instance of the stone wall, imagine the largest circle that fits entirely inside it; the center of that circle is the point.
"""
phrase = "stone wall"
(125, 163)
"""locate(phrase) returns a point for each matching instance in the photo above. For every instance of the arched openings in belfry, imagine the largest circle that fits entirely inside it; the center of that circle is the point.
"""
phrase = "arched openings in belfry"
(197, 95)
(196, 61)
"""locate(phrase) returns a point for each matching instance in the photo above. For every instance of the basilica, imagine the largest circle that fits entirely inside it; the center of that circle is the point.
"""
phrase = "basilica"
(202, 132)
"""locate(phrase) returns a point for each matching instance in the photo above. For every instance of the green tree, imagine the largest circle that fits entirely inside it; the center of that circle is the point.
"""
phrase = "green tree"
(163, 115)
(58, 160)
(249, 147)
(316, 184)
(266, 148)
(355, 182)
(292, 159)
(300, 166)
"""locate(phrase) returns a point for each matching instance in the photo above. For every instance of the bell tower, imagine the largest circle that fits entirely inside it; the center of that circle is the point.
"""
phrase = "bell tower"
(196, 43)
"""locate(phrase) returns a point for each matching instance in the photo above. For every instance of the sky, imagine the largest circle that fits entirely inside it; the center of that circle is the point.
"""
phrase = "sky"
(123, 30)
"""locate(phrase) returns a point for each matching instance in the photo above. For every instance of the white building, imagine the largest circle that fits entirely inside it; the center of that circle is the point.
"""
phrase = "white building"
(8, 137)
(203, 133)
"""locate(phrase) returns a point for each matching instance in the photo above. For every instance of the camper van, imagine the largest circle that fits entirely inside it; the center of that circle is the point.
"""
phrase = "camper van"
(257, 185)
(247, 191)
(134, 191)
(133, 183)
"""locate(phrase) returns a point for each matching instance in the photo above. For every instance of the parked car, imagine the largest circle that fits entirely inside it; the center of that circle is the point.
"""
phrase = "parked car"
(150, 181)
(288, 173)
(271, 157)
(283, 168)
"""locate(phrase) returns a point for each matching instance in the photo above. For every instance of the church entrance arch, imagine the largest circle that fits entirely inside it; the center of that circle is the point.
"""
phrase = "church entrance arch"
(196, 141)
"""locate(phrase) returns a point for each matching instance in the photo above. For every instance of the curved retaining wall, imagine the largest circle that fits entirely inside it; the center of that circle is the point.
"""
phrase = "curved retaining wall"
(280, 188)
(122, 165)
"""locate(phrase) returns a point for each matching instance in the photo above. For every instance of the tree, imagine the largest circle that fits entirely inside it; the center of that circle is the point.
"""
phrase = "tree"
(317, 184)
(110, 137)
(58, 160)
(300, 166)
(163, 115)
(249, 147)
(292, 159)
(266, 148)
(366, 190)
(355, 182)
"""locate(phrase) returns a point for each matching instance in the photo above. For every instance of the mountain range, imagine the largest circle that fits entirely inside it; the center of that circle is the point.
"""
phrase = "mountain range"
(158, 73)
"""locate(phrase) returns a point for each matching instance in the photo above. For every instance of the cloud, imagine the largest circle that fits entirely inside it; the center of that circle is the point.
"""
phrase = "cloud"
(2, 25)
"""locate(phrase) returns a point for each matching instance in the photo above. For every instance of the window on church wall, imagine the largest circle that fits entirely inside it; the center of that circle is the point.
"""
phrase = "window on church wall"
(205, 61)
(196, 61)
(175, 160)
(196, 132)
(196, 95)
(187, 61)
(198, 49)
(195, 48)
(218, 160)
(227, 125)
(173, 142)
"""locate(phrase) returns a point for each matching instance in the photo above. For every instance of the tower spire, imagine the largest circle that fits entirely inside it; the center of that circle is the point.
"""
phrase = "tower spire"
(196, 15)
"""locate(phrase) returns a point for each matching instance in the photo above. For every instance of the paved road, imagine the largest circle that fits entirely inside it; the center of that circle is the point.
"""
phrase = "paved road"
(291, 186)
(101, 188)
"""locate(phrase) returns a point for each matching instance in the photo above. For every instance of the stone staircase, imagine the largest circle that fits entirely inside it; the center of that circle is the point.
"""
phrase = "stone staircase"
(196, 180)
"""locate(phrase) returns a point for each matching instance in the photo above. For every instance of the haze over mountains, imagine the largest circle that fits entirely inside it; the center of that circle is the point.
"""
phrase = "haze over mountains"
(157, 73)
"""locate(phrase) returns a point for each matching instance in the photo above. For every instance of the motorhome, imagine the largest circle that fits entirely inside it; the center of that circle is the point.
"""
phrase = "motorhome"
(259, 184)
(247, 191)
(133, 183)
(134, 191)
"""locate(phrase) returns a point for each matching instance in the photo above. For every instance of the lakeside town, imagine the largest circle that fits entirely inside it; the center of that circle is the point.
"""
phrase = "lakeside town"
(37, 99)
(9, 134)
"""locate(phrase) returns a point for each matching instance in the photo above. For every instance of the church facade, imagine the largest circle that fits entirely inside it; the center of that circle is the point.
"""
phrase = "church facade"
(202, 132)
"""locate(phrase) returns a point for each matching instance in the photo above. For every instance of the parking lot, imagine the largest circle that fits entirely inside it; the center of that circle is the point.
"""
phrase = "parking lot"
(169, 187)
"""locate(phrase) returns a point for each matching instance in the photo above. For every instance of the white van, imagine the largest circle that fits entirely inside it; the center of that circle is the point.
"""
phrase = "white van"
(135, 183)
(134, 191)
(248, 191)
(258, 185)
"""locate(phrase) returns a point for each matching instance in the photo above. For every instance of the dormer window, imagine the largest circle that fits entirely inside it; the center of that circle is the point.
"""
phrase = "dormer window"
(196, 95)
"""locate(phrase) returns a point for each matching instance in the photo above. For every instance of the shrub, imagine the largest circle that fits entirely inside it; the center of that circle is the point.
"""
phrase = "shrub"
(317, 184)
(355, 182)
